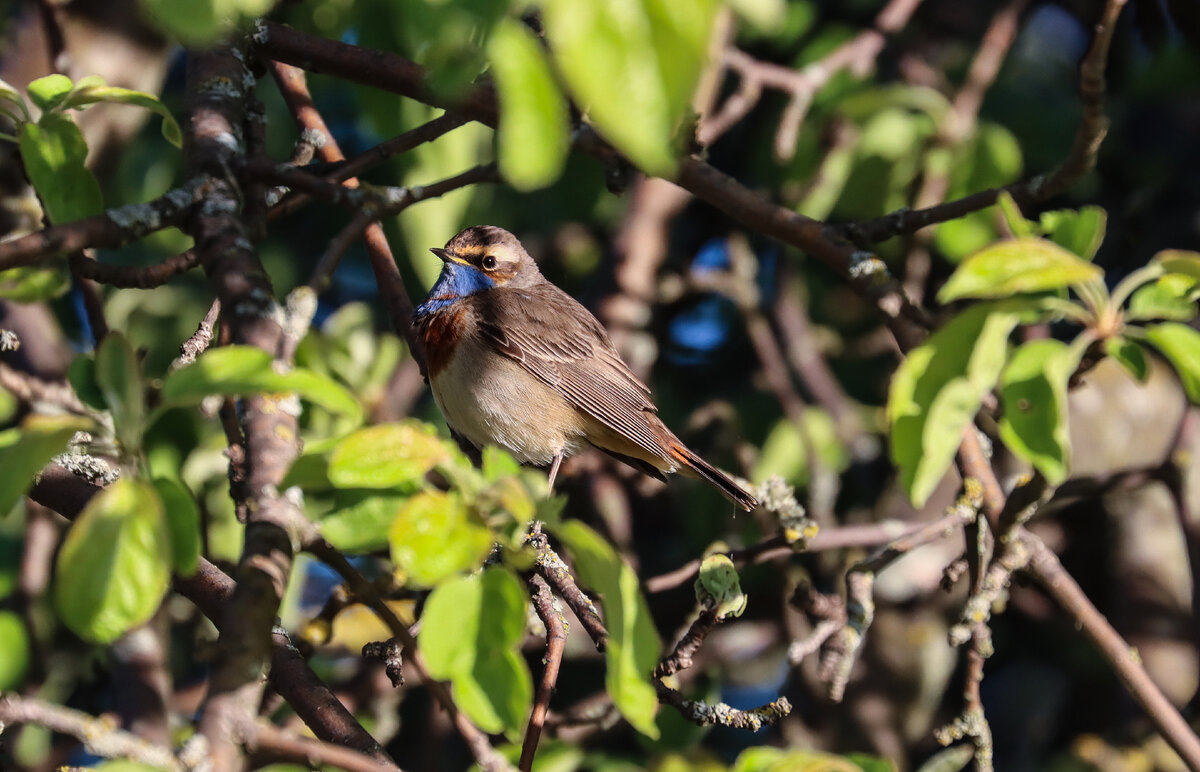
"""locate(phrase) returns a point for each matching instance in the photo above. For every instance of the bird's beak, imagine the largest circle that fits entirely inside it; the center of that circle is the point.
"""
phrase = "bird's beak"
(448, 256)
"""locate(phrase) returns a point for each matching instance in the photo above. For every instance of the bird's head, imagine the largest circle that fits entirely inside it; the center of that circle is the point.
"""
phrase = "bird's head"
(492, 252)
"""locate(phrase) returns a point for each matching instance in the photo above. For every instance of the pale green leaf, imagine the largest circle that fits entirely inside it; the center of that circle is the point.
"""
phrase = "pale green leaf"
(719, 588)
(1180, 344)
(633, 643)
(386, 455)
(1169, 297)
(1018, 226)
(198, 22)
(245, 370)
(54, 153)
(115, 563)
(183, 524)
(434, 536)
(1179, 261)
(93, 89)
(937, 390)
(25, 450)
(533, 135)
(1079, 230)
(1033, 393)
(47, 92)
(471, 629)
(1017, 266)
(632, 66)
(119, 379)
(362, 527)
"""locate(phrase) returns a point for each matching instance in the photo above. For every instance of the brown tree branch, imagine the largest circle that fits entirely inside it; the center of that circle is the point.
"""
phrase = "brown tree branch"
(556, 640)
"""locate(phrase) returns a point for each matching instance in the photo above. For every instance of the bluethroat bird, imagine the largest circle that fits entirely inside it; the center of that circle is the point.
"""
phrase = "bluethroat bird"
(514, 361)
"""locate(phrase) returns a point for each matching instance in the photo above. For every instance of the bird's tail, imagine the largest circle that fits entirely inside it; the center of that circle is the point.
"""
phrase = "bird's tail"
(704, 470)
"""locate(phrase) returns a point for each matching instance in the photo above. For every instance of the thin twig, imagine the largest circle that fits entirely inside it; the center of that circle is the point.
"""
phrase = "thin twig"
(99, 736)
(556, 573)
(550, 613)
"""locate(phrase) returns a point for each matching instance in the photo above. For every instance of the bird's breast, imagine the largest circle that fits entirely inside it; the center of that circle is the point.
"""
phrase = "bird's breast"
(441, 332)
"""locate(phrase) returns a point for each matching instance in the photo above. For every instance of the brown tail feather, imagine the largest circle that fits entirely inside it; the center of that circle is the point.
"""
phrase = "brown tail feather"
(701, 468)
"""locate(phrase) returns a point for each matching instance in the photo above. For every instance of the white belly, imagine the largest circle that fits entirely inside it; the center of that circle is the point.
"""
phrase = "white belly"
(490, 399)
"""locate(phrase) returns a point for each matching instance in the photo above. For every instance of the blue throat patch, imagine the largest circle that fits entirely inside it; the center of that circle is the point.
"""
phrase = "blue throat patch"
(455, 283)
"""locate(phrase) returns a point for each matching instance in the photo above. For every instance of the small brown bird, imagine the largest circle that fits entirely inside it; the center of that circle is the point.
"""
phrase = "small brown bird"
(514, 361)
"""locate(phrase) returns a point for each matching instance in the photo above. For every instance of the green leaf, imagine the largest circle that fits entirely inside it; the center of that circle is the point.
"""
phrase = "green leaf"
(1130, 356)
(964, 236)
(386, 455)
(1179, 261)
(632, 67)
(119, 378)
(114, 565)
(197, 22)
(124, 765)
(435, 536)
(1017, 224)
(763, 15)
(937, 390)
(14, 642)
(719, 588)
(183, 524)
(1033, 393)
(1079, 230)
(633, 643)
(49, 91)
(471, 629)
(498, 463)
(1169, 297)
(1180, 344)
(24, 451)
(952, 759)
(1017, 266)
(534, 125)
(54, 153)
(245, 370)
(93, 89)
(34, 284)
(766, 759)
(10, 94)
(362, 527)
(81, 374)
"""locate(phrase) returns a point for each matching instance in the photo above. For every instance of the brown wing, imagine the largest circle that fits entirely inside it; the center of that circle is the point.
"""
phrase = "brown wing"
(556, 339)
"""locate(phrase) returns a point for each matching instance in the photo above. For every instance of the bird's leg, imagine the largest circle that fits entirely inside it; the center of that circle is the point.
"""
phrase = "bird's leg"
(558, 457)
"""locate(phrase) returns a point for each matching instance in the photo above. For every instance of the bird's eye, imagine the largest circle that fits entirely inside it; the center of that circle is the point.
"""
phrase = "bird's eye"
(489, 262)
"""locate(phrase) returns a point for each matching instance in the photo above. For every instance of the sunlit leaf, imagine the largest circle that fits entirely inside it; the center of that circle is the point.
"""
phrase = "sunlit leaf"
(47, 92)
(767, 759)
(1017, 266)
(385, 455)
(245, 370)
(1079, 230)
(471, 629)
(937, 390)
(533, 133)
(1180, 344)
(632, 66)
(54, 153)
(362, 527)
(25, 450)
(1033, 393)
(115, 563)
(196, 22)
(719, 588)
(434, 536)
(1018, 226)
(1169, 297)
(633, 643)
(1179, 261)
